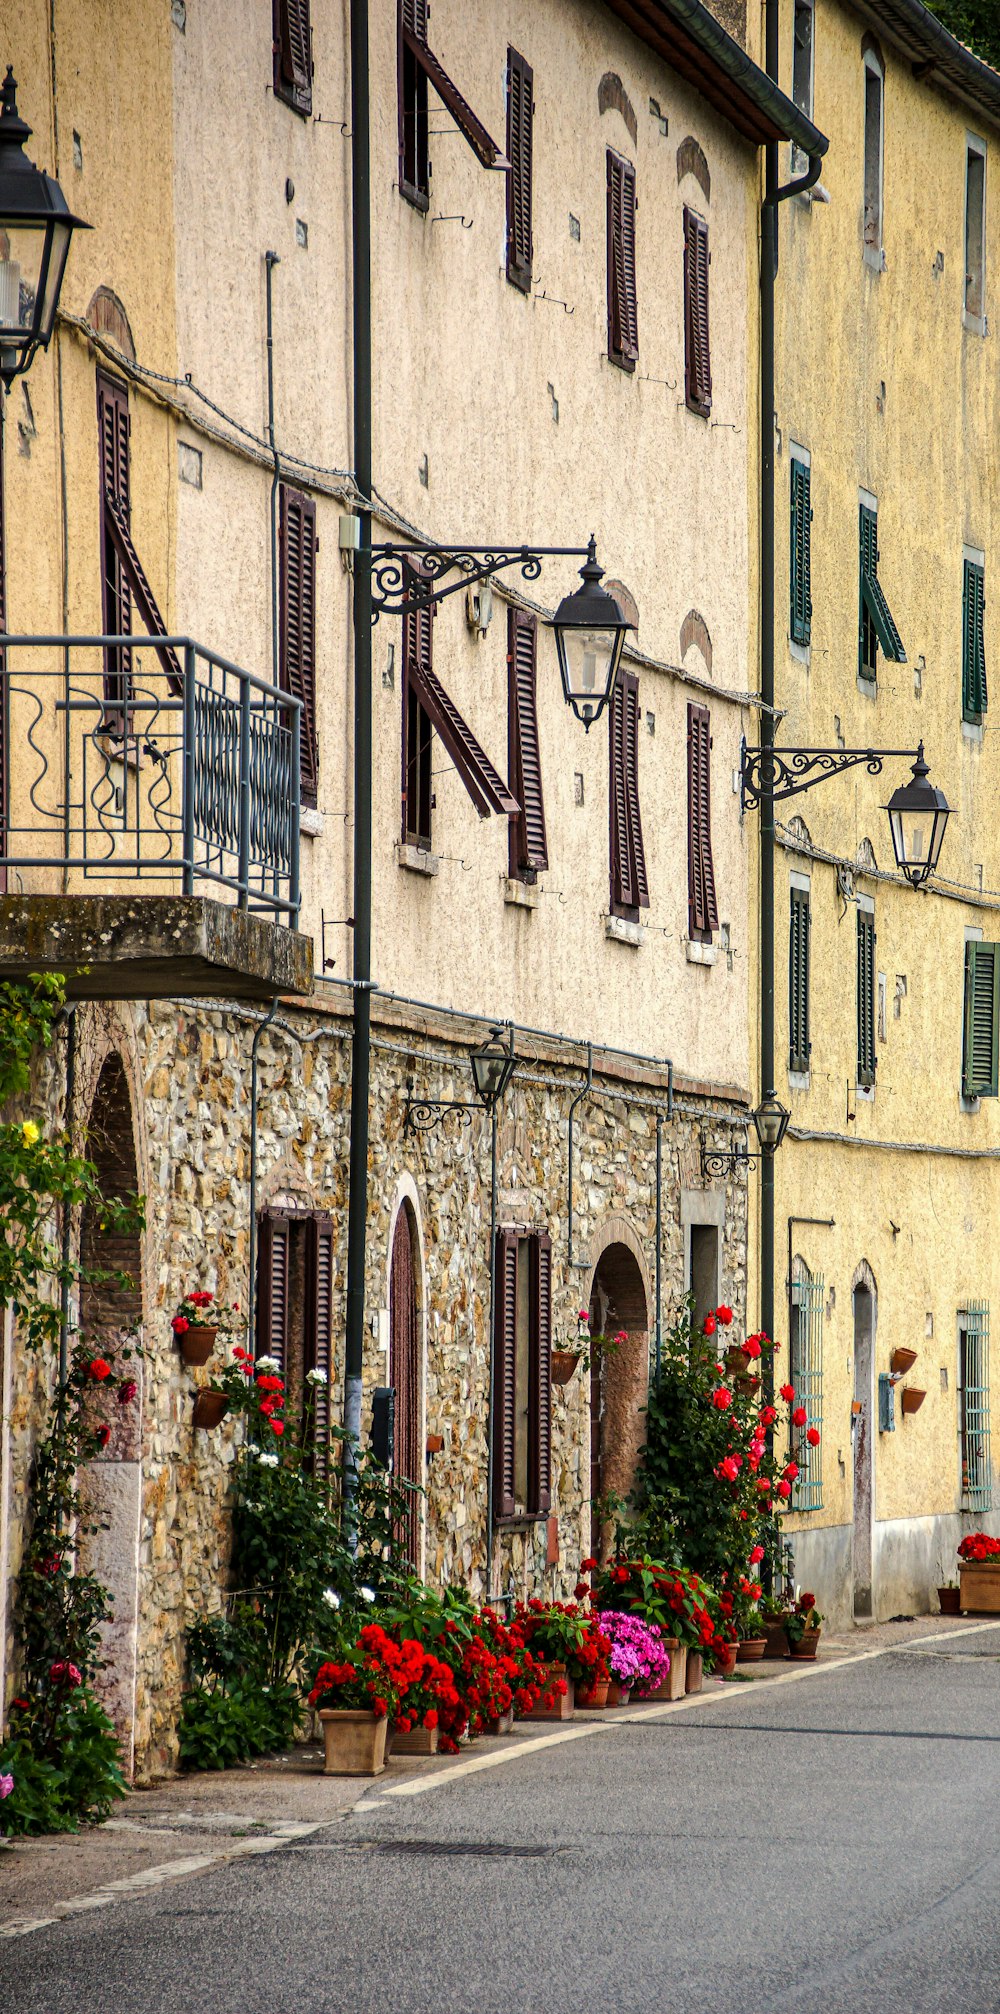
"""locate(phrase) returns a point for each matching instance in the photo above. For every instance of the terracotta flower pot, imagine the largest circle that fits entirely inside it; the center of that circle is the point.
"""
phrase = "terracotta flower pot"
(618, 1695)
(563, 1363)
(210, 1409)
(980, 1586)
(737, 1359)
(694, 1671)
(502, 1724)
(902, 1360)
(416, 1741)
(750, 1649)
(563, 1706)
(197, 1344)
(354, 1741)
(951, 1600)
(725, 1660)
(912, 1399)
(672, 1686)
(805, 1649)
(776, 1641)
(595, 1695)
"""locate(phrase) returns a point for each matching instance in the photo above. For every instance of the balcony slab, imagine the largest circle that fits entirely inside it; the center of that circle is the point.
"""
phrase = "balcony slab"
(152, 947)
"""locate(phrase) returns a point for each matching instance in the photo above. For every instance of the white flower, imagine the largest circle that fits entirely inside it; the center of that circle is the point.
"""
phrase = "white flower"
(252, 1448)
(331, 1598)
(316, 1377)
(366, 1594)
(267, 1364)
(268, 1461)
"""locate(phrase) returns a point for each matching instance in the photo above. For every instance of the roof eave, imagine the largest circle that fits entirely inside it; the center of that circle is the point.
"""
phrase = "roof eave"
(696, 45)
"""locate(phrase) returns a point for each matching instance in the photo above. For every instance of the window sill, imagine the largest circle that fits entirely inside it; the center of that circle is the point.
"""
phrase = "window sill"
(798, 1080)
(970, 1105)
(800, 651)
(866, 1092)
(310, 822)
(521, 894)
(867, 686)
(622, 930)
(700, 954)
(522, 1521)
(415, 860)
(972, 730)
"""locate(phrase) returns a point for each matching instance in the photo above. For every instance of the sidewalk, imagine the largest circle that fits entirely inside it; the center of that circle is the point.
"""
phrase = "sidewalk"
(172, 1829)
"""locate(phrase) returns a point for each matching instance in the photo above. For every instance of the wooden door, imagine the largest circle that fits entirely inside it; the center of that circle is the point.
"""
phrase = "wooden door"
(404, 1373)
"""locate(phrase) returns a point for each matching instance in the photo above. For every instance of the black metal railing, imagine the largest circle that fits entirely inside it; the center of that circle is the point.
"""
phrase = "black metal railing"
(156, 763)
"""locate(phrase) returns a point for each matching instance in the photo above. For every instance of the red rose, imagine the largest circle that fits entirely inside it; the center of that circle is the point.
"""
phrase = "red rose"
(722, 1398)
(757, 1554)
(784, 1489)
(180, 1325)
(767, 1416)
(581, 1590)
(127, 1392)
(103, 1436)
(788, 1393)
(276, 1426)
(791, 1470)
(588, 1565)
(724, 1315)
(799, 1416)
(708, 1327)
(99, 1369)
(813, 1437)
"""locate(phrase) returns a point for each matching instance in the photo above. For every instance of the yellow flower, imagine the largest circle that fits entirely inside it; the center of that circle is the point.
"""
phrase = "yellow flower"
(30, 1133)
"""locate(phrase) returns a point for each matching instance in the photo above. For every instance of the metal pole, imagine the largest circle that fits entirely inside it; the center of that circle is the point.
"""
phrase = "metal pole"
(357, 1221)
(252, 1293)
(271, 260)
(492, 1355)
(187, 818)
(243, 826)
(768, 261)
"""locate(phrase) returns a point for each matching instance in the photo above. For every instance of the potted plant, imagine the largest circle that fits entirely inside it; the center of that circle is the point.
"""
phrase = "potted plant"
(747, 1618)
(354, 1698)
(673, 1598)
(638, 1661)
(979, 1573)
(556, 1633)
(425, 1689)
(804, 1627)
(950, 1598)
(774, 1615)
(197, 1323)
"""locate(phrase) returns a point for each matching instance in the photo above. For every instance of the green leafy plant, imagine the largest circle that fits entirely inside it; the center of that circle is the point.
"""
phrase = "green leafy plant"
(63, 1757)
(975, 23)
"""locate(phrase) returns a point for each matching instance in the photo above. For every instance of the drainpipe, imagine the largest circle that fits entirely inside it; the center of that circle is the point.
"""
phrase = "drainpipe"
(659, 1235)
(582, 1093)
(490, 1442)
(271, 260)
(357, 1216)
(252, 1294)
(67, 1227)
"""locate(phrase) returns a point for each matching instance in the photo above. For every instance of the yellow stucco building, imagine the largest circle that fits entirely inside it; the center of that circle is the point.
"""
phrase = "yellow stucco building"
(886, 997)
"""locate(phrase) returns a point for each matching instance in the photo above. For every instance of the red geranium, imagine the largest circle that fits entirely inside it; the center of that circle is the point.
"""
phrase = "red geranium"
(180, 1325)
(725, 1316)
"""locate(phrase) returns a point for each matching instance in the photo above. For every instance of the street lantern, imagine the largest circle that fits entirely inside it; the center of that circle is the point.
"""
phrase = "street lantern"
(770, 1123)
(493, 1066)
(35, 230)
(590, 632)
(918, 814)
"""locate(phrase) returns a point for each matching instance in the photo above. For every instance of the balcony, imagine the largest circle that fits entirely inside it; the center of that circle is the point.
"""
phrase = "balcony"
(150, 819)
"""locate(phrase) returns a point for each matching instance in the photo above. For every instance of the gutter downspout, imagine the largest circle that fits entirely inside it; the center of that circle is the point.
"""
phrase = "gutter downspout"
(67, 1227)
(357, 1217)
(252, 1293)
(582, 1093)
(271, 260)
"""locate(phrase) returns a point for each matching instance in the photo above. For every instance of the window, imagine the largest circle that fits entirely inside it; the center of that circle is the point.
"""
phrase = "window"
(975, 230)
(294, 1320)
(519, 135)
(980, 1024)
(866, 999)
(522, 1387)
(802, 68)
(293, 54)
(623, 324)
(418, 67)
(800, 620)
(876, 625)
(123, 582)
(805, 1372)
(297, 623)
(629, 889)
(874, 76)
(426, 705)
(697, 358)
(974, 696)
(703, 1270)
(528, 849)
(974, 1406)
(703, 913)
(799, 926)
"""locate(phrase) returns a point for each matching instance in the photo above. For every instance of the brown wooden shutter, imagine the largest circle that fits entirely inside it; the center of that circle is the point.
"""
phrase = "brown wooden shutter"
(540, 1376)
(414, 13)
(623, 320)
(697, 355)
(117, 530)
(319, 1335)
(471, 128)
(485, 785)
(417, 732)
(297, 623)
(116, 601)
(520, 84)
(630, 691)
(703, 913)
(504, 1398)
(528, 847)
(629, 884)
(273, 1253)
(293, 54)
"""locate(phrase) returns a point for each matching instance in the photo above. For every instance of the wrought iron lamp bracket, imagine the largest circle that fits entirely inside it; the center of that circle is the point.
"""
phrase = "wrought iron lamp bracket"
(399, 588)
(769, 774)
(421, 1115)
(721, 1162)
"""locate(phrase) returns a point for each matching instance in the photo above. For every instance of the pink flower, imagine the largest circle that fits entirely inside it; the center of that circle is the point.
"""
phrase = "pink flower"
(127, 1392)
(6, 1786)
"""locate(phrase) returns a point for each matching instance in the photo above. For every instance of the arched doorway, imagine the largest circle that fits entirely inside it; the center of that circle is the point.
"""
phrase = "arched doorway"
(111, 1485)
(405, 1369)
(619, 1381)
(864, 1304)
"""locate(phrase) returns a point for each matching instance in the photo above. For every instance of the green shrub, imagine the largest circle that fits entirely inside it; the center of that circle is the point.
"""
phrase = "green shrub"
(65, 1765)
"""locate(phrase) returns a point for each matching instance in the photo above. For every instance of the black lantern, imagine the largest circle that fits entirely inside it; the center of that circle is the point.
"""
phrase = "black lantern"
(493, 1064)
(770, 1123)
(590, 632)
(35, 230)
(918, 814)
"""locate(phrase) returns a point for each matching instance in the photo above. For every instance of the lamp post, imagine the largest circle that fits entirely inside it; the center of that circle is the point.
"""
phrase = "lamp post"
(918, 812)
(492, 1064)
(770, 1123)
(35, 231)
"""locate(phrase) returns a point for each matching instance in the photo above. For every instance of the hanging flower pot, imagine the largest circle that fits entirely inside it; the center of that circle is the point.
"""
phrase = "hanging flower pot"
(563, 1365)
(737, 1359)
(354, 1741)
(197, 1344)
(902, 1361)
(912, 1399)
(210, 1409)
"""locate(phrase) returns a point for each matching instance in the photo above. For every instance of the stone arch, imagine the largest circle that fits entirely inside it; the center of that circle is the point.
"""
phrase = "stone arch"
(406, 1278)
(691, 161)
(613, 97)
(864, 1278)
(694, 630)
(866, 858)
(619, 1301)
(107, 318)
(799, 830)
(110, 1316)
(626, 600)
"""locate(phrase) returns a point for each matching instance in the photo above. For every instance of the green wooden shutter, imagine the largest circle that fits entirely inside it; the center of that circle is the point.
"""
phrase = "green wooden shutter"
(973, 642)
(873, 601)
(974, 1407)
(800, 921)
(801, 572)
(866, 998)
(982, 1003)
(806, 1370)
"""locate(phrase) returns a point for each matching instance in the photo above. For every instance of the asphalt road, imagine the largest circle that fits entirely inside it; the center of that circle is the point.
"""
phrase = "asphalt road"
(828, 1846)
